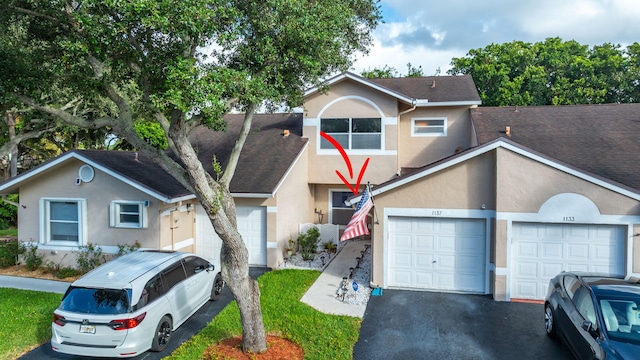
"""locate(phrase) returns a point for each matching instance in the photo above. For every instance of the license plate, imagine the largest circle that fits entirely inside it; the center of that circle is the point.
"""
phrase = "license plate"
(88, 329)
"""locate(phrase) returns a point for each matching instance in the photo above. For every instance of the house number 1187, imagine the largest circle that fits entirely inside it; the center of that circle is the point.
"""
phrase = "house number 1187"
(568, 218)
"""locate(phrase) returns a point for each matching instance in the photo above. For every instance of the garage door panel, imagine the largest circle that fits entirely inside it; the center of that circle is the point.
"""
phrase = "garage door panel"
(552, 250)
(441, 257)
(562, 247)
(578, 251)
(423, 261)
(424, 243)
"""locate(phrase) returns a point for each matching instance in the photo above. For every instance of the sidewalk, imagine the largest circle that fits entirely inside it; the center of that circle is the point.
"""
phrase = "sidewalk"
(322, 294)
(26, 283)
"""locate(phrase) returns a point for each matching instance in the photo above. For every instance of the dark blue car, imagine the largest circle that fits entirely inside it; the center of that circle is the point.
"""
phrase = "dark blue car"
(596, 315)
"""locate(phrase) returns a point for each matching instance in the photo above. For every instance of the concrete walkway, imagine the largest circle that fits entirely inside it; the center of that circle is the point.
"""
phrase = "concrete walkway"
(322, 295)
(26, 283)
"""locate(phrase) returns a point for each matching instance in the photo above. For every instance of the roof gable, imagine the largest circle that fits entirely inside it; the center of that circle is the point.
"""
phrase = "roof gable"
(453, 160)
(598, 139)
(265, 160)
(417, 91)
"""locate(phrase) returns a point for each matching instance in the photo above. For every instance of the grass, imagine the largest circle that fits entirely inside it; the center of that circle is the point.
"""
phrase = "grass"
(9, 233)
(26, 320)
(321, 336)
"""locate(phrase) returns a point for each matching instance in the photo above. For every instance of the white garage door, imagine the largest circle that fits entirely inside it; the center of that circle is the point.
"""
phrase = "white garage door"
(437, 254)
(541, 251)
(252, 225)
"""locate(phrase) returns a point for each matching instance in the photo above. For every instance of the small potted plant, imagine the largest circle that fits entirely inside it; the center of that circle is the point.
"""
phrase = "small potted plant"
(329, 246)
(291, 248)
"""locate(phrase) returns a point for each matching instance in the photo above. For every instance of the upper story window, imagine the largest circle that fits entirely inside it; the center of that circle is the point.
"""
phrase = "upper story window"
(353, 133)
(128, 214)
(62, 221)
(429, 127)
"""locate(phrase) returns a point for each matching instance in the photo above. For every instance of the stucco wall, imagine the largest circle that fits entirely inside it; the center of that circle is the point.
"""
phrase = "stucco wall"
(465, 186)
(524, 185)
(294, 206)
(314, 104)
(416, 151)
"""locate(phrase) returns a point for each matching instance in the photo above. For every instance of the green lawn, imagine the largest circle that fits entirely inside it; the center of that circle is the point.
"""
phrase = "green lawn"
(320, 335)
(26, 320)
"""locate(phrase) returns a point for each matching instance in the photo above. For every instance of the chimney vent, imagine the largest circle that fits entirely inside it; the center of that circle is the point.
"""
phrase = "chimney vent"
(507, 130)
(433, 84)
(285, 133)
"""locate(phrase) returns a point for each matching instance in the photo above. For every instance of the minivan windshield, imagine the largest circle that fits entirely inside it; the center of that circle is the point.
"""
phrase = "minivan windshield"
(95, 301)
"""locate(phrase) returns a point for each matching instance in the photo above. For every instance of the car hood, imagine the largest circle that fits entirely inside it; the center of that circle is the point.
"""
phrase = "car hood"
(623, 350)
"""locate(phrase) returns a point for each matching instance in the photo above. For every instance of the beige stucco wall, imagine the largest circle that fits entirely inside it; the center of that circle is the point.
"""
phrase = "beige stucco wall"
(464, 186)
(294, 206)
(414, 151)
(314, 103)
(524, 185)
(60, 182)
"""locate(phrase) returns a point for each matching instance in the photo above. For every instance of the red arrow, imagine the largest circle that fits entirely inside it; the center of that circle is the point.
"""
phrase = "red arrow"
(337, 145)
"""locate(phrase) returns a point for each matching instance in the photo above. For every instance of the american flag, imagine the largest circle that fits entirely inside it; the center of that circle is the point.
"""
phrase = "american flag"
(357, 226)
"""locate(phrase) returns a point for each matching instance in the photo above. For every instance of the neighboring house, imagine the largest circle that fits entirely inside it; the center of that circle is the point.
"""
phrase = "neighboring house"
(111, 198)
(467, 199)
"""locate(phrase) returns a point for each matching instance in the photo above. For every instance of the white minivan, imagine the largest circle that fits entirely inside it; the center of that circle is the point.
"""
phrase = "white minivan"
(132, 304)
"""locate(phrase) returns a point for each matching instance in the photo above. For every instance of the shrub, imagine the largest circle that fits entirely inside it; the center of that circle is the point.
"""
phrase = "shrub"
(10, 252)
(32, 259)
(8, 213)
(89, 257)
(308, 243)
(66, 272)
(125, 249)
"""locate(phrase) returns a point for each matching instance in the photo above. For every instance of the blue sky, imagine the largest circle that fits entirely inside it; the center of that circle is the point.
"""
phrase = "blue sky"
(429, 33)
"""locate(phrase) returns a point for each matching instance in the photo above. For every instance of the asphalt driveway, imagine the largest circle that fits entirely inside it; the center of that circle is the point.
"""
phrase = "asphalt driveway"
(428, 325)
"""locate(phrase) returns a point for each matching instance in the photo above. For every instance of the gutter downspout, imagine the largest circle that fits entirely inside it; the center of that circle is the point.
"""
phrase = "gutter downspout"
(415, 105)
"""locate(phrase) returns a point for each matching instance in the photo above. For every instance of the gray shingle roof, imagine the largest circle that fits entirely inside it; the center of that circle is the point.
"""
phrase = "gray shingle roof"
(264, 161)
(433, 88)
(599, 139)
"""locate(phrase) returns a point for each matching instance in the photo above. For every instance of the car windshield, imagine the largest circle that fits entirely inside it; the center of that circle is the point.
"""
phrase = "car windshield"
(621, 317)
(95, 301)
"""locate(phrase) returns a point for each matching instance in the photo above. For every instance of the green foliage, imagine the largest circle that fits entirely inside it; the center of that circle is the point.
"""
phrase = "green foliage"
(308, 243)
(89, 257)
(283, 313)
(26, 320)
(10, 252)
(9, 213)
(152, 133)
(125, 249)
(390, 72)
(33, 260)
(66, 272)
(553, 72)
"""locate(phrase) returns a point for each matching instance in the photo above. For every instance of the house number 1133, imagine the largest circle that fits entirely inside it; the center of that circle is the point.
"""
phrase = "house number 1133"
(568, 219)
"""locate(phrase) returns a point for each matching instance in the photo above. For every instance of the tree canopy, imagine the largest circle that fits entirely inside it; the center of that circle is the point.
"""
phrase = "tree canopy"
(390, 72)
(552, 72)
(178, 64)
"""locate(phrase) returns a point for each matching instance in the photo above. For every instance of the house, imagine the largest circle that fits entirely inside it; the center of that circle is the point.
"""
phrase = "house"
(467, 198)
(112, 198)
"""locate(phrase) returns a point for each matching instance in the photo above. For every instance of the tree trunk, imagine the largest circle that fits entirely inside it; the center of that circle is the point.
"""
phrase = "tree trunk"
(10, 119)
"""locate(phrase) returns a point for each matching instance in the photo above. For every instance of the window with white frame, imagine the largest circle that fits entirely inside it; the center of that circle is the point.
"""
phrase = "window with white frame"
(352, 133)
(429, 126)
(62, 221)
(340, 213)
(128, 214)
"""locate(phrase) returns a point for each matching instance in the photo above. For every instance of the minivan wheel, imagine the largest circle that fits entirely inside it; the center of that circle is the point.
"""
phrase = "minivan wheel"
(549, 321)
(162, 335)
(218, 285)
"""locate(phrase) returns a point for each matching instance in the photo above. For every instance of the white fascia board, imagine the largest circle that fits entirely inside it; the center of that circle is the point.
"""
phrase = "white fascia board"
(251, 195)
(516, 149)
(98, 166)
(426, 103)
(365, 82)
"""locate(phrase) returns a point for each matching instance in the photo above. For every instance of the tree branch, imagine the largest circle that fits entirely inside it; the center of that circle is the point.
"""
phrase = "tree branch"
(65, 116)
(235, 153)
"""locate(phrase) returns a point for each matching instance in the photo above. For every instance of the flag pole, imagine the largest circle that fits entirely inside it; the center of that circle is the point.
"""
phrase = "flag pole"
(375, 211)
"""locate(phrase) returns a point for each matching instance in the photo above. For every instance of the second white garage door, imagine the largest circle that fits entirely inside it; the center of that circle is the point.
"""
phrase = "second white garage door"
(437, 254)
(252, 225)
(541, 251)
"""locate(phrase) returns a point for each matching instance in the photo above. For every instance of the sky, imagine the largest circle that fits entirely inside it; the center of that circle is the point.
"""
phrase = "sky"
(429, 33)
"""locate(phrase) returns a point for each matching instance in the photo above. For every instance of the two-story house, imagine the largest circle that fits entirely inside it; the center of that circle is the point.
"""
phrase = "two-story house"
(469, 199)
